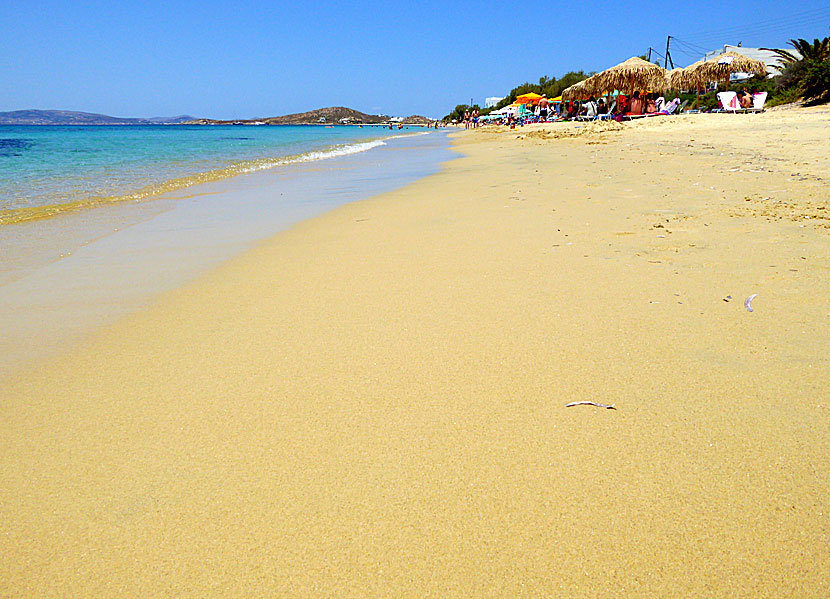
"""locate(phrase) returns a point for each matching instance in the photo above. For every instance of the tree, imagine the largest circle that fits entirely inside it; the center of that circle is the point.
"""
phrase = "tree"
(458, 112)
(806, 75)
(819, 50)
(816, 80)
(551, 86)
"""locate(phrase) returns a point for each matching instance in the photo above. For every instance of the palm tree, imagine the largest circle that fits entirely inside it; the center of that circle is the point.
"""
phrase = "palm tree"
(819, 50)
(809, 74)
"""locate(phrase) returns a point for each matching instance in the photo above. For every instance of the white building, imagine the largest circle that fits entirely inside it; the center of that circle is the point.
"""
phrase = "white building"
(490, 102)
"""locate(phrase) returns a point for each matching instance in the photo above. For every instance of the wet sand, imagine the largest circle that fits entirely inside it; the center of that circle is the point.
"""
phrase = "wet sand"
(373, 402)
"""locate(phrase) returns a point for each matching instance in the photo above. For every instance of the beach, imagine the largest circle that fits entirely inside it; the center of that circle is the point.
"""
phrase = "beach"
(373, 402)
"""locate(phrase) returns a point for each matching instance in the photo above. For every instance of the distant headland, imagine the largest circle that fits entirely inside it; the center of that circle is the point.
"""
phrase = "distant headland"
(336, 115)
(68, 117)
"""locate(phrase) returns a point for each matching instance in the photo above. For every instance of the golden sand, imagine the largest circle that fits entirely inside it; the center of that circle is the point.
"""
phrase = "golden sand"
(372, 404)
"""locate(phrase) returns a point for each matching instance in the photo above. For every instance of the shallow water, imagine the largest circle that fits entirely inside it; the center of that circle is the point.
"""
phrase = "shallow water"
(62, 277)
(48, 170)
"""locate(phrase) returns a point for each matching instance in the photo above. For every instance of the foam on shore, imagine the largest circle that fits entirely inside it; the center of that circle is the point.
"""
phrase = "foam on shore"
(29, 213)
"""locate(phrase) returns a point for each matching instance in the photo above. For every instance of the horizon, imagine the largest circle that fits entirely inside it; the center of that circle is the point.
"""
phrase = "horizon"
(196, 117)
(140, 60)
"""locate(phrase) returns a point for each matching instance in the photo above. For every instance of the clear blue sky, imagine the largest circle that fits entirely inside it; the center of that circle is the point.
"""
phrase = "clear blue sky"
(256, 58)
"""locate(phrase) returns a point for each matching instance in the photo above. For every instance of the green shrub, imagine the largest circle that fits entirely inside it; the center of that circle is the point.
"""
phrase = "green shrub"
(784, 96)
(816, 80)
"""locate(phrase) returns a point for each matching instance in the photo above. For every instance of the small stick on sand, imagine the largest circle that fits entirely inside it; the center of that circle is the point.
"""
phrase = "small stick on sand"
(590, 403)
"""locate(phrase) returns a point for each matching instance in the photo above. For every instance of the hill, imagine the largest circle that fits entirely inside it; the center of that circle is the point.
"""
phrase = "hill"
(328, 116)
(68, 117)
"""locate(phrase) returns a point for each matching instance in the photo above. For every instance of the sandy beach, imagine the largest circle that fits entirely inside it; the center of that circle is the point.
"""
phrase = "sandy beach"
(372, 403)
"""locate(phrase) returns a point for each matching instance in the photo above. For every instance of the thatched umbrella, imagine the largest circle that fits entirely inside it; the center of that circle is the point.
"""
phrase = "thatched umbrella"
(635, 74)
(581, 90)
(721, 67)
(575, 92)
(689, 78)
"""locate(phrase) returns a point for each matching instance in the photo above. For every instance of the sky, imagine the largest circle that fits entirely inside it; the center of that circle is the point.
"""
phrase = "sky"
(250, 59)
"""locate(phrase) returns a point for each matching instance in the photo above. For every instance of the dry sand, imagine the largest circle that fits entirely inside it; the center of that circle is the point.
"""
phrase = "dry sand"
(373, 403)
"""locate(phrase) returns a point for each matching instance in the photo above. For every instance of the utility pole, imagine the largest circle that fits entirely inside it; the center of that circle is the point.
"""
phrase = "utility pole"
(649, 55)
(668, 56)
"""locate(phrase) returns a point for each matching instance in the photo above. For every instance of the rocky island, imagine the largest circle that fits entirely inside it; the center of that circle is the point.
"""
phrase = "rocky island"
(334, 115)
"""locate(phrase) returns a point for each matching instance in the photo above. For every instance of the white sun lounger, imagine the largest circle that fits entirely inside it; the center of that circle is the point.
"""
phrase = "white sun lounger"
(758, 101)
(729, 102)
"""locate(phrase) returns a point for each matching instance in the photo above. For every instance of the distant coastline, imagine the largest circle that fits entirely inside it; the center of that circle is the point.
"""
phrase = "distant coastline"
(68, 117)
(336, 115)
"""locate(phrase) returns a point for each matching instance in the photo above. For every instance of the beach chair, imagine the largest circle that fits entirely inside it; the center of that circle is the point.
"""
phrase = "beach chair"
(589, 117)
(758, 101)
(608, 115)
(728, 102)
(670, 107)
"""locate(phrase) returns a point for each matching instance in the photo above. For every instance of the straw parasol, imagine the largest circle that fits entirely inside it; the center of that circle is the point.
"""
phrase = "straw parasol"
(635, 74)
(722, 66)
(577, 91)
(688, 78)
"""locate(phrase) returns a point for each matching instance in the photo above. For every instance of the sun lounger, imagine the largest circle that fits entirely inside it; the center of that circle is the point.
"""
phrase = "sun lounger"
(670, 109)
(729, 102)
(758, 101)
(608, 115)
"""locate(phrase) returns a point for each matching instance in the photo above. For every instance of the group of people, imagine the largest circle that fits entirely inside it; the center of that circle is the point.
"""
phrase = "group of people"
(471, 118)
(636, 104)
(644, 103)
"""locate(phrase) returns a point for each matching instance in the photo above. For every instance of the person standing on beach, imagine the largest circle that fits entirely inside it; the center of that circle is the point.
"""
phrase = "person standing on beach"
(466, 119)
(543, 108)
(475, 117)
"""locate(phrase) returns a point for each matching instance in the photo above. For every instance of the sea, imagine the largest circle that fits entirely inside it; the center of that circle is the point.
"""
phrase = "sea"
(49, 169)
(97, 221)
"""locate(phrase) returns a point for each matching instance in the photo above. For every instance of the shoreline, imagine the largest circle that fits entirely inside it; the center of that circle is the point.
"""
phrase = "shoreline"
(61, 278)
(157, 190)
(373, 400)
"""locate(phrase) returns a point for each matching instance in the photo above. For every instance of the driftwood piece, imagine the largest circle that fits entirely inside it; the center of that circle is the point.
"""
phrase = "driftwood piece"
(590, 403)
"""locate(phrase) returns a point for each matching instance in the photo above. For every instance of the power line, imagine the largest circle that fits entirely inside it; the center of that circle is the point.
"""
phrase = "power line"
(691, 47)
(798, 18)
(780, 24)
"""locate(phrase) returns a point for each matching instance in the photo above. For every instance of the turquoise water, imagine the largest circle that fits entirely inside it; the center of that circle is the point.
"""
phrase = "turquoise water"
(58, 165)
(62, 278)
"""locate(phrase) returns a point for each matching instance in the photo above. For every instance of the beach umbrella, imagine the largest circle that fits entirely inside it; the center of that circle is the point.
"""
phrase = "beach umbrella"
(530, 98)
(689, 78)
(635, 74)
(582, 89)
(577, 91)
(674, 78)
(721, 67)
